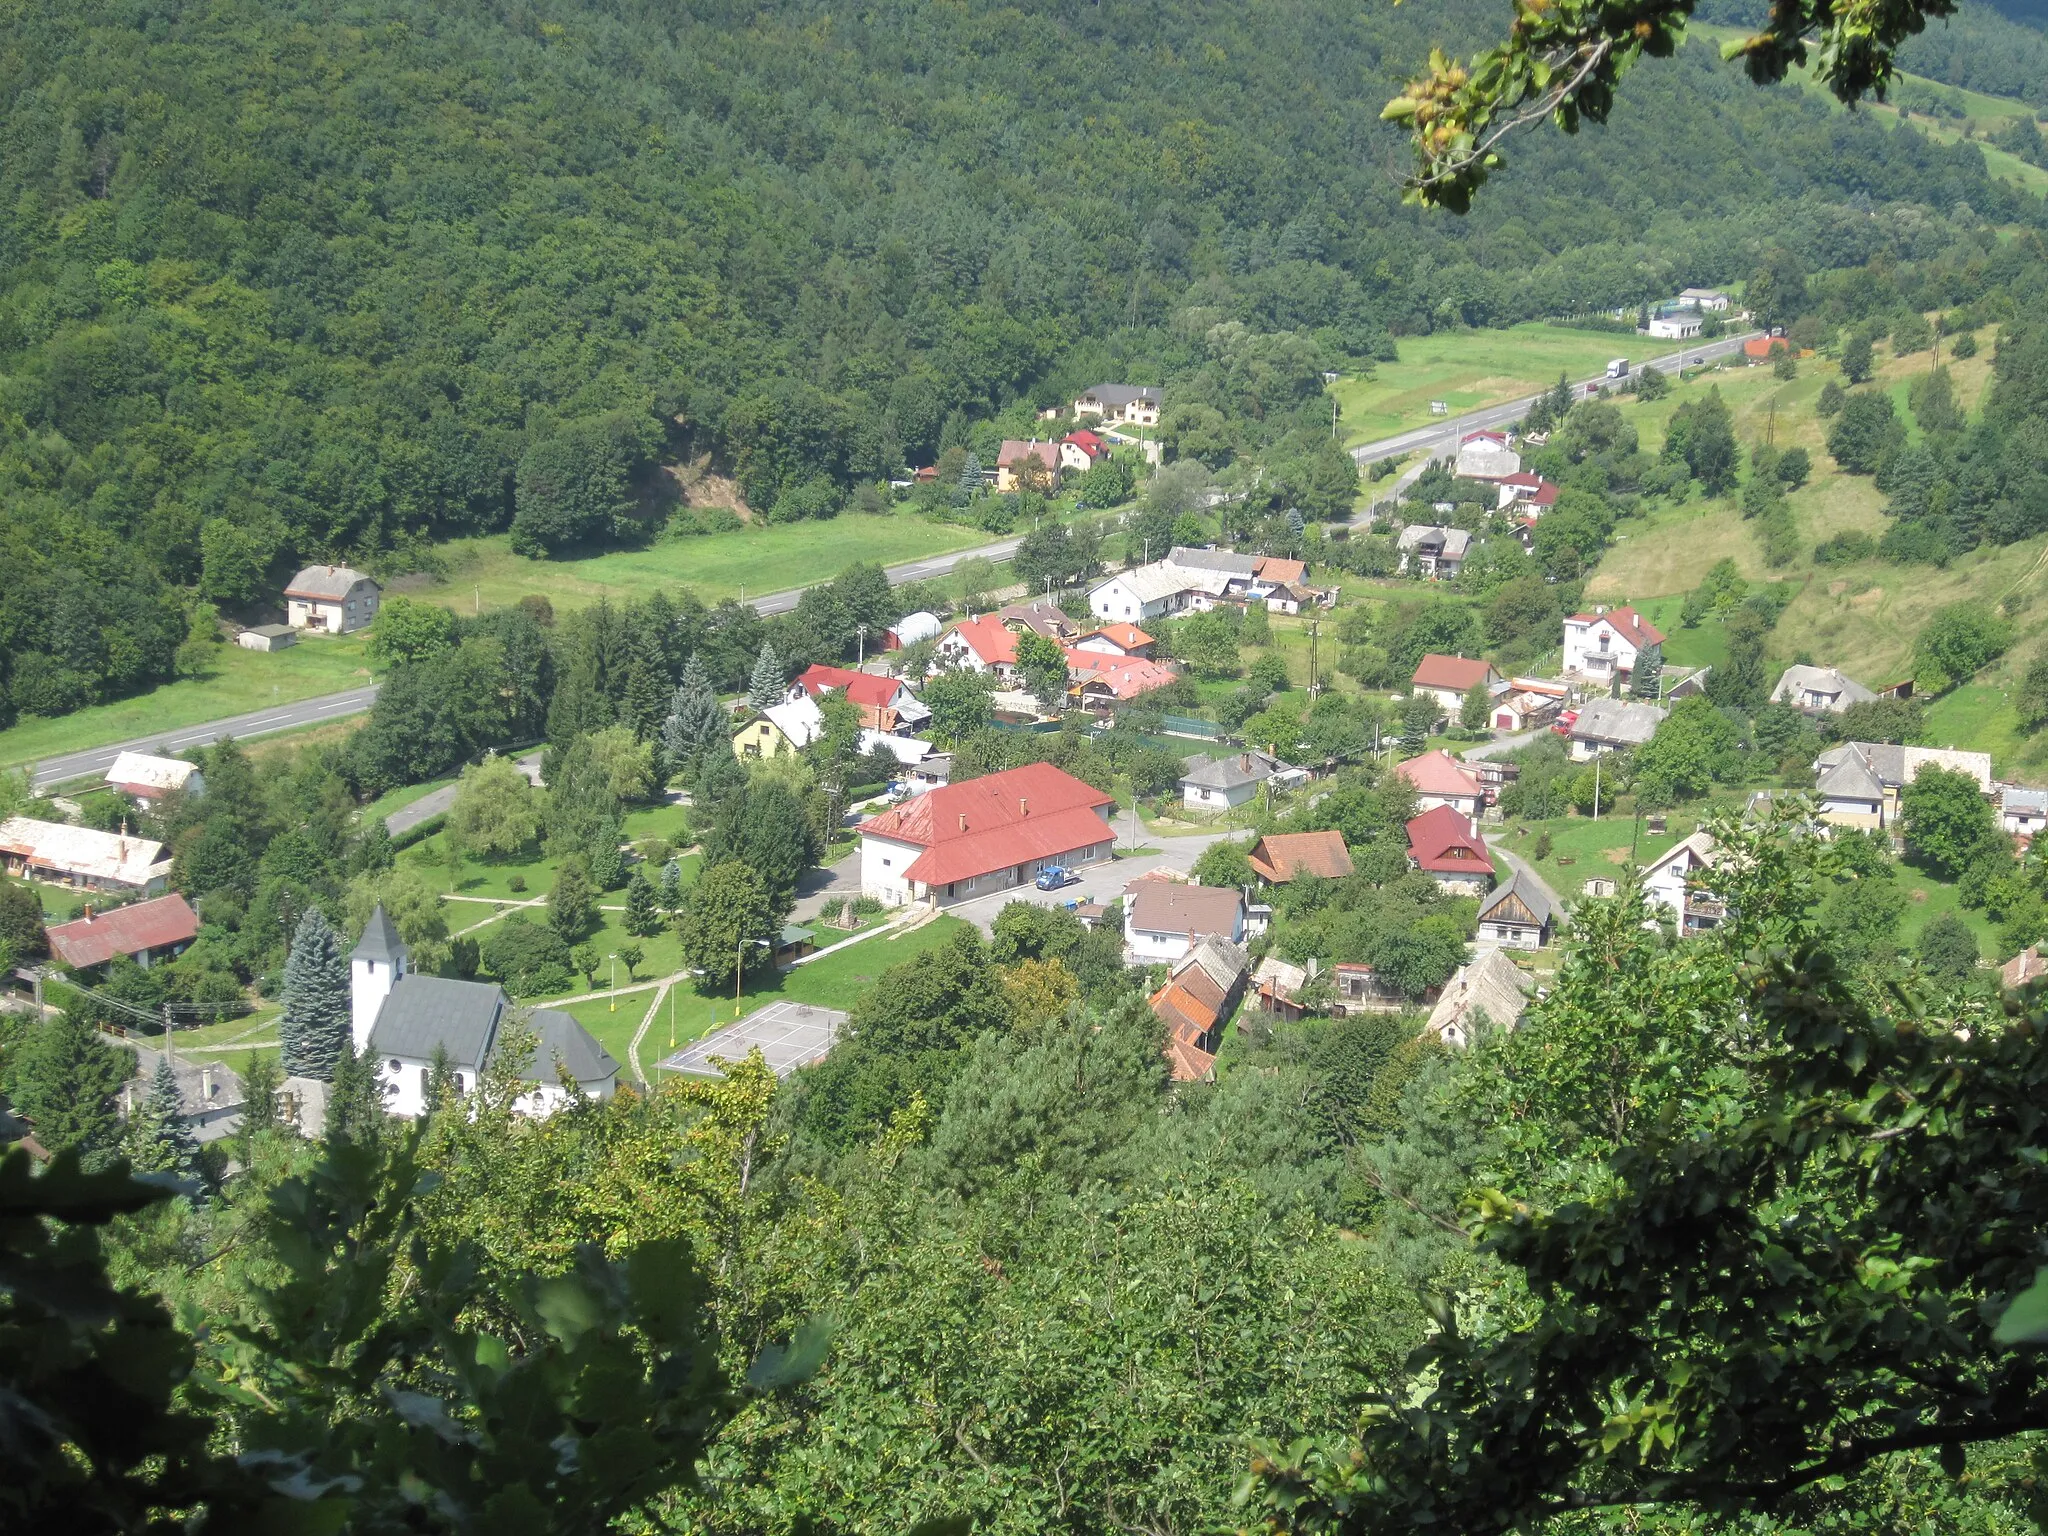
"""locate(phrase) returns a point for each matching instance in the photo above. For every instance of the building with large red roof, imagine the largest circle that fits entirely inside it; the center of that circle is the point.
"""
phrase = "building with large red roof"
(986, 644)
(1444, 845)
(1440, 779)
(1449, 678)
(988, 834)
(1606, 642)
(144, 932)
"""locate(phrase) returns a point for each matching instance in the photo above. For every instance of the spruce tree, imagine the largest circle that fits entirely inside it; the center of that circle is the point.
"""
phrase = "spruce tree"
(1647, 681)
(355, 1103)
(261, 1081)
(159, 1140)
(695, 722)
(314, 1029)
(643, 907)
(572, 905)
(671, 885)
(765, 688)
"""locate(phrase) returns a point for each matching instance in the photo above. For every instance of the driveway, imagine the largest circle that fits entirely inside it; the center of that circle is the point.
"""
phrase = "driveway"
(1500, 746)
(428, 806)
(1103, 882)
(1523, 868)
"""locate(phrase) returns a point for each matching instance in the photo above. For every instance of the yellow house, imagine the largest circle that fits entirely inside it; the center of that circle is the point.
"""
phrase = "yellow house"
(780, 728)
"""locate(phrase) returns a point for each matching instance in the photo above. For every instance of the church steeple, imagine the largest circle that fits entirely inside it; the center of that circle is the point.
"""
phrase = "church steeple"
(379, 959)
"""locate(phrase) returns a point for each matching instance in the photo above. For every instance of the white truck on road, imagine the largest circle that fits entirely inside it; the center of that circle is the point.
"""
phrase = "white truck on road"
(1618, 368)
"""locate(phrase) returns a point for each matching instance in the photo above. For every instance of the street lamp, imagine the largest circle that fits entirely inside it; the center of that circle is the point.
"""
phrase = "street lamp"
(614, 958)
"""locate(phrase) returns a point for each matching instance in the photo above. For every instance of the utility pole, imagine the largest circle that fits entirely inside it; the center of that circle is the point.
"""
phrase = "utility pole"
(1596, 784)
(1313, 626)
(860, 635)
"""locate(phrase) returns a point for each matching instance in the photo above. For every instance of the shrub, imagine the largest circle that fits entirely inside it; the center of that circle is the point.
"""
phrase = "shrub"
(1542, 845)
(516, 884)
(866, 906)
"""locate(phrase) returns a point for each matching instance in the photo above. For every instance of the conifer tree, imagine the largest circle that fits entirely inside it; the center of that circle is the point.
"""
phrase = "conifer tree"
(1647, 681)
(671, 885)
(695, 723)
(643, 907)
(261, 1081)
(765, 687)
(159, 1140)
(572, 905)
(314, 1028)
(355, 1104)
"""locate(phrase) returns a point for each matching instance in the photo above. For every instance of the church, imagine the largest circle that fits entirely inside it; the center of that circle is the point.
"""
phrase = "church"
(403, 1019)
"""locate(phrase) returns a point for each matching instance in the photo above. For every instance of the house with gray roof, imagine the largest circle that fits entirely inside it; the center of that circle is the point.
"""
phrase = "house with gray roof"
(1819, 690)
(2023, 812)
(407, 1022)
(332, 599)
(1492, 989)
(1228, 562)
(1519, 914)
(1224, 783)
(1613, 725)
(1438, 552)
(1138, 404)
(1846, 775)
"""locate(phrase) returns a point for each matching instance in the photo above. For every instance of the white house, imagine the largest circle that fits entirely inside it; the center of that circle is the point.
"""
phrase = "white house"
(331, 598)
(1486, 456)
(1859, 782)
(1137, 404)
(1491, 987)
(1612, 725)
(1607, 641)
(2023, 812)
(1519, 915)
(1164, 919)
(1664, 884)
(1438, 551)
(82, 857)
(1679, 326)
(958, 841)
(1705, 300)
(406, 1021)
(268, 637)
(1819, 690)
(146, 778)
(1155, 590)
(1224, 783)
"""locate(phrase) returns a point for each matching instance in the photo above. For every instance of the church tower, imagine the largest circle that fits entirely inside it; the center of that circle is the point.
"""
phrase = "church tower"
(379, 960)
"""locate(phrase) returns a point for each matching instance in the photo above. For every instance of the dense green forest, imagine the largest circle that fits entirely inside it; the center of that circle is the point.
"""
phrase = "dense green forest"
(278, 284)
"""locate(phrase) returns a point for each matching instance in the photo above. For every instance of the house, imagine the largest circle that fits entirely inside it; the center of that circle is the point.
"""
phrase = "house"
(1608, 642)
(1439, 553)
(1163, 919)
(1200, 992)
(929, 772)
(1082, 450)
(1447, 679)
(1277, 986)
(912, 628)
(1117, 639)
(1154, 591)
(1525, 710)
(1015, 454)
(147, 778)
(1675, 327)
(1858, 782)
(1704, 300)
(1360, 990)
(1494, 775)
(885, 703)
(1486, 456)
(1440, 779)
(268, 637)
(1279, 858)
(1289, 598)
(1224, 783)
(1240, 572)
(1492, 988)
(1819, 690)
(983, 644)
(2022, 812)
(780, 729)
(1275, 571)
(1135, 404)
(1447, 847)
(407, 1023)
(2022, 968)
(1671, 882)
(1041, 616)
(1613, 725)
(1519, 915)
(988, 834)
(210, 1097)
(1115, 682)
(145, 932)
(1527, 493)
(1761, 349)
(334, 599)
(909, 752)
(82, 857)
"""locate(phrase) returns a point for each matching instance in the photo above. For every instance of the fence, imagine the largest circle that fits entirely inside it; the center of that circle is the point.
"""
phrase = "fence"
(1188, 725)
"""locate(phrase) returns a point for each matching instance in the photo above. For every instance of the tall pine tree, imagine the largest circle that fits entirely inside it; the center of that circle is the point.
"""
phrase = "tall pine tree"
(1647, 680)
(766, 686)
(695, 723)
(159, 1140)
(314, 1030)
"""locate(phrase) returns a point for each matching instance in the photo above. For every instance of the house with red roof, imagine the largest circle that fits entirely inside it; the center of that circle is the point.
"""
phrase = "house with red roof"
(1527, 493)
(1280, 858)
(1445, 845)
(1606, 643)
(1200, 992)
(1117, 639)
(1015, 454)
(1082, 450)
(994, 833)
(1441, 780)
(146, 932)
(1115, 680)
(985, 644)
(885, 703)
(1447, 679)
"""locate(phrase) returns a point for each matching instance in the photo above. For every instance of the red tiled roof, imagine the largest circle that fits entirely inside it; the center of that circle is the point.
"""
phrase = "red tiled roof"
(1484, 436)
(987, 824)
(1088, 443)
(989, 640)
(859, 687)
(1015, 450)
(1546, 495)
(1455, 672)
(1189, 1063)
(1273, 568)
(1439, 773)
(1764, 346)
(1441, 840)
(1522, 477)
(1284, 856)
(125, 931)
(1128, 676)
(1630, 625)
(1127, 637)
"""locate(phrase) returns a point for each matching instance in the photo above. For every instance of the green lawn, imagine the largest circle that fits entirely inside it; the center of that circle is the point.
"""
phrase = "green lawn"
(241, 682)
(1979, 717)
(754, 560)
(1469, 369)
(1592, 847)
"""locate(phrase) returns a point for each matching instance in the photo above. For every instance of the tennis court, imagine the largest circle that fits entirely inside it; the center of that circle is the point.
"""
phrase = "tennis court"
(789, 1035)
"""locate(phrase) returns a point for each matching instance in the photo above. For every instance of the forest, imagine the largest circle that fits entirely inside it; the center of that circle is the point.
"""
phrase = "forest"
(277, 285)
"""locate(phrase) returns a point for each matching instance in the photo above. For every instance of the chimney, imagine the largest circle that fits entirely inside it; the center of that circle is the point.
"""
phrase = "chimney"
(963, 821)
(1023, 806)
(1311, 967)
(206, 1084)
(1244, 762)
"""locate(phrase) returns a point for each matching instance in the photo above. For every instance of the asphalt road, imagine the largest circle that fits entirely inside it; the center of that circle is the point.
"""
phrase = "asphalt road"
(94, 762)
(1445, 434)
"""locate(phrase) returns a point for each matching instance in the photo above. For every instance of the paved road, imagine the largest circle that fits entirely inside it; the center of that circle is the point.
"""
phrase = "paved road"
(284, 717)
(434, 802)
(1444, 435)
(1502, 745)
(336, 706)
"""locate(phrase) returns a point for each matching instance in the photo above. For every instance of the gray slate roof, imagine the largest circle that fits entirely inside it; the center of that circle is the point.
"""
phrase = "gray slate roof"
(1849, 778)
(1122, 394)
(1235, 772)
(1623, 720)
(1526, 889)
(380, 940)
(558, 1037)
(1213, 560)
(1829, 682)
(2014, 798)
(423, 1012)
(327, 583)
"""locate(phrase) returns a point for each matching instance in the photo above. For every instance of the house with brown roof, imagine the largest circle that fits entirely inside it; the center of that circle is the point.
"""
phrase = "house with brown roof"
(1279, 858)
(1041, 616)
(1018, 461)
(1116, 682)
(146, 932)
(1607, 643)
(1117, 639)
(1446, 846)
(993, 833)
(1440, 779)
(1200, 992)
(333, 599)
(1519, 915)
(1277, 986)
(2024, 967)
(1492, 988)
(1447, 679)
(1163, 919)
